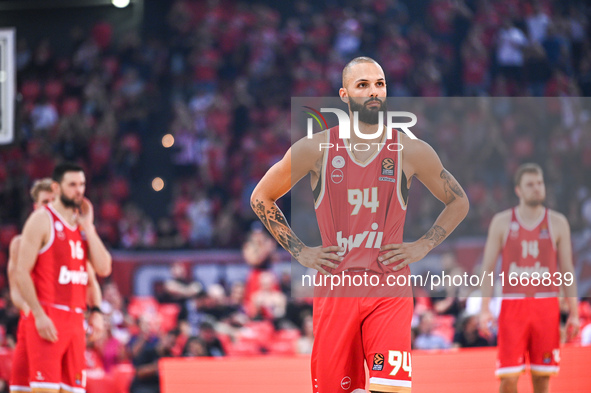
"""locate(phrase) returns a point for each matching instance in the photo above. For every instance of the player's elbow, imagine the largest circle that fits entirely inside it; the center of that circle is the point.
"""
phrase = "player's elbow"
(104, 269)
(464, 207)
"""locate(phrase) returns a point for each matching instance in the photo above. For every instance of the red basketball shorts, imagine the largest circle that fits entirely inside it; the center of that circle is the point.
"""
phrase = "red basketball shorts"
(58, 365)
(529, 326)
(349, 331)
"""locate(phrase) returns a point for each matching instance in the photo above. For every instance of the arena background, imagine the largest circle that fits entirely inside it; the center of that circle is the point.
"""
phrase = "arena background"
(198, 94)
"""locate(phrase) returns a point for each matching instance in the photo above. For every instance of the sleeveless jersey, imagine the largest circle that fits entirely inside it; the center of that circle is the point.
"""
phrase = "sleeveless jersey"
(360, 206)
(529, 250)
(60, 275)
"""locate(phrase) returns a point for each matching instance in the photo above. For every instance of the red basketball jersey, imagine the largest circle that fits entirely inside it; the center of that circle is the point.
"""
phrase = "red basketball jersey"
(60, 275)
(528, 250)
(360, 206)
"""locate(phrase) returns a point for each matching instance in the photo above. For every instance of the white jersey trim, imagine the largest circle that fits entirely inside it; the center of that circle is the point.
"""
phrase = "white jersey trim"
(390, 382)
(552, 238)
(17, 388)
(509, 370)
(534, 226)
(45, 385)
(399, 176)
(62, 219)
(323, 173)
(51, 234)
(372, 157)
(69, 388)
(544, 369)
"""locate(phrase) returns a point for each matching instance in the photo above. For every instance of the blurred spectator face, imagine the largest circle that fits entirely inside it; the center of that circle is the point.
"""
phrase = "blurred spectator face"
(426, 324)
(531, 189)
(178, 270)
(237, 293)
(195, 347)
(471, 325)
(43, 199)
(207, 332)
(308, 326)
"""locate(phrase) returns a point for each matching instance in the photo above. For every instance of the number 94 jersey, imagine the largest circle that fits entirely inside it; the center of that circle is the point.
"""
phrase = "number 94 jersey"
(361, 206)
(60, 275)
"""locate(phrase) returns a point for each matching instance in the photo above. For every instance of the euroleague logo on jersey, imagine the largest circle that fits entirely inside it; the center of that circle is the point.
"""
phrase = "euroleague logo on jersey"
(387, 167)
(378, 362)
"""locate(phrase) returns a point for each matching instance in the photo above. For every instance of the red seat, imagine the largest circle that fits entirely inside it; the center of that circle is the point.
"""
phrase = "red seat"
(122, 376)
(7, 232)
(54, 89)
(286, 347)
(168, 315)
(142, 305)
(287, 334)
(244, 348)
(30, 90)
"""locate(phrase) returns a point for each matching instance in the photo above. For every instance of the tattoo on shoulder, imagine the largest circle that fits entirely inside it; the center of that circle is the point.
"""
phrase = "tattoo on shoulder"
(275, 222)
(436, 233)
(451, 186)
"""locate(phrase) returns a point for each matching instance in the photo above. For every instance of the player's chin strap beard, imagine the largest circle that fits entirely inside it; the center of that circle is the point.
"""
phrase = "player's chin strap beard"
(67, 202)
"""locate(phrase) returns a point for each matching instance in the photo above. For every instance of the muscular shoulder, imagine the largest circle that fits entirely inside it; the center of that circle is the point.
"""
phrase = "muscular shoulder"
(38, 222)
(418, 156)
(558, 220)
(500, 221)
(310, 150)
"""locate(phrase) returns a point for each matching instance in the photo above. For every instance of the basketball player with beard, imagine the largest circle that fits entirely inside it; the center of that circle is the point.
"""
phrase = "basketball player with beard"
(361, 195)
(57, 241)
(42, 194)
(534, 243)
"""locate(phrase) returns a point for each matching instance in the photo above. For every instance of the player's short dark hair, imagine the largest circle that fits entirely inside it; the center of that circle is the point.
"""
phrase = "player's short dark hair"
(40, 185)
(62, 168)
(529, 167)
(355, 61)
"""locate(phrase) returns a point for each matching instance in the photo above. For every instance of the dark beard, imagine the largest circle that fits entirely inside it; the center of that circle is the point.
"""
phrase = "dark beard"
(69, 202)
(366, 115)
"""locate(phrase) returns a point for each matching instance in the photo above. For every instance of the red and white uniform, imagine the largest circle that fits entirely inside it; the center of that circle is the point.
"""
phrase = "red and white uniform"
(60, 279)
(529, 321)
(19, 373)
(360, 207)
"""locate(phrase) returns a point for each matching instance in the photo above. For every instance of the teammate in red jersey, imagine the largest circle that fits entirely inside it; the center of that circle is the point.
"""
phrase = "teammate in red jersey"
(42, 194)
(57, 241)
(360, 205)
(531, 239)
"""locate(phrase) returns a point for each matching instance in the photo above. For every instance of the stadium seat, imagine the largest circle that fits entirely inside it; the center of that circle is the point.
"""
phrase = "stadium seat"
(283, 347)
(7, 232)
(262, 330)
(54, 89)
(168, 314)
(30, 90)
(139, 305)
(122, 377)
(244, 348)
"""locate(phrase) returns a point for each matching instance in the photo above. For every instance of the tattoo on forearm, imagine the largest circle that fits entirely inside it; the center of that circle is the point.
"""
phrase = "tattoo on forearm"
(275, 222)
(436, 234)
(451, 186)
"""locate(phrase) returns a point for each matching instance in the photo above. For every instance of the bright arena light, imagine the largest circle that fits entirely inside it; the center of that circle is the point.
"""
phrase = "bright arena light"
(167, 140)
(157, 184)
(120, 3)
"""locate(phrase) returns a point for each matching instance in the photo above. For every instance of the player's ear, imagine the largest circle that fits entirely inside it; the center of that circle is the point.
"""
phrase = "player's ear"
(344, 95)
(55, 188)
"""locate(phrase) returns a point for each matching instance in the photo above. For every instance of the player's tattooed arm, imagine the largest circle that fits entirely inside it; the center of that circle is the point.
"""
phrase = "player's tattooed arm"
(435, 235)
(274, 220)
(450, 186)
